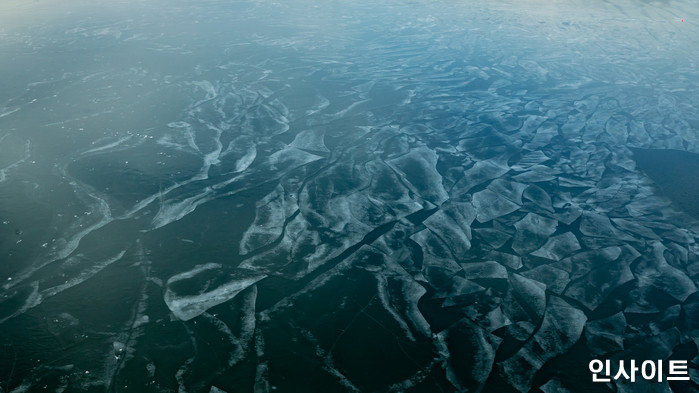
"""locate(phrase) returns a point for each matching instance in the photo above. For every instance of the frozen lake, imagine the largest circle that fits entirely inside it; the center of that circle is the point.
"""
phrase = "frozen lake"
(393, 196)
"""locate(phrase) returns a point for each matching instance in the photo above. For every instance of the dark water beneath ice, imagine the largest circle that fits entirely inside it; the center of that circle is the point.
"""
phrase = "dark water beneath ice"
(397, 196)
(676, 173)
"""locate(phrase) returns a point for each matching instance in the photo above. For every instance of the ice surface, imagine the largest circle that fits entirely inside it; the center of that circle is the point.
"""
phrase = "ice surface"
(606, 335)
(490, 205)
(174, 210)
(321, 104)
(289, 158)
(536, 174)
(532, 231)
(387, 187)
(530, 160)
(560, 329)
(452, 224)
(191, 293)
(438, 264)
(512, 261)
(540, 197)
(518, 331)
(108, 146)
(245, 161)
(634, 228)
(406, 300)
(568, 213)
(554, 385)
(479, 173)
(433, 210)
(592, 289)
(543, 135)
(310, 140)
(532, 293)
(558, 247)
(654, 270)
(267, 120)
(472, 351)
(458, 288)
(555, 279)
(419, 169)
(510, 190)
(488, 269)
(269, 221)
(495, 237)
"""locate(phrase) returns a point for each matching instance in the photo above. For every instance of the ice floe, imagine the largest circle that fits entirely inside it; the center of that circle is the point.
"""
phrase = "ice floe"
(560, 329)
(191, 293)
(558, 246)
(532, 231)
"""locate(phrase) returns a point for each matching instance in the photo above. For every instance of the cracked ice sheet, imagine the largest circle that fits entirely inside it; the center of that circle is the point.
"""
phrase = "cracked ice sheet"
(532, 231)
(452, 225)
(560, 329)
(438, 264)
(480, 172)
(490, 205)
(191, 293)
(418, 168)
(402, 99)
(270, 214)
(559, 246)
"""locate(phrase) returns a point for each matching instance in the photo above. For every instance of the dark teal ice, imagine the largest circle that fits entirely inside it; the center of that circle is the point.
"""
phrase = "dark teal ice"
(346, 196)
